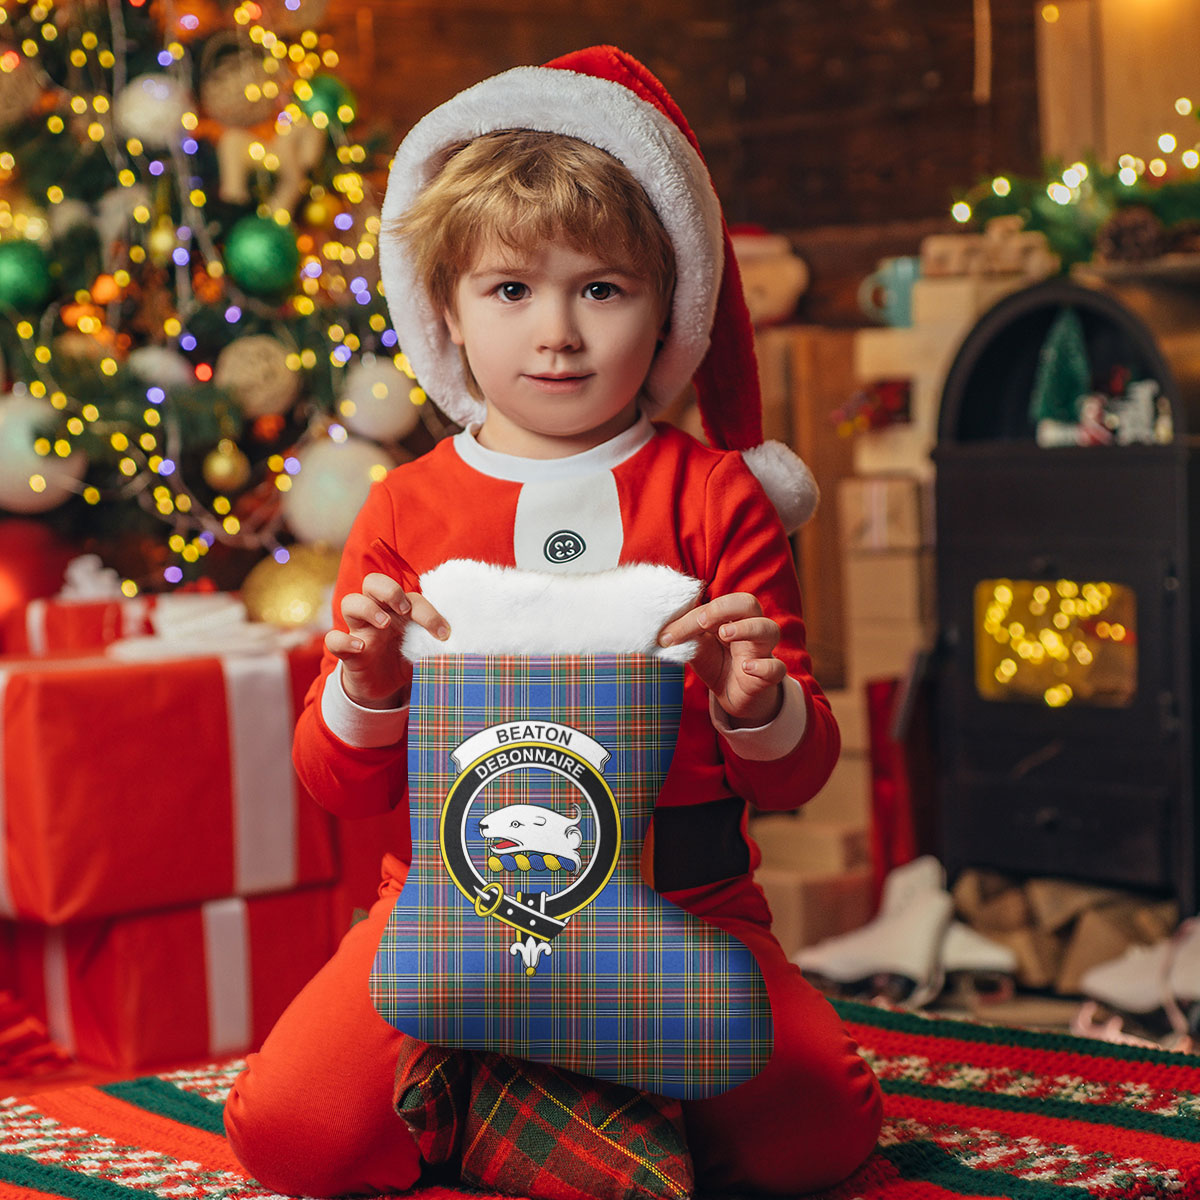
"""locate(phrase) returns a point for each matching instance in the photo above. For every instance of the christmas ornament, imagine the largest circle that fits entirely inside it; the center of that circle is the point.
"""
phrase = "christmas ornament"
(162, 366)
(20, 90)
(114, 216)
(1133, 234)
(295, 593)
(150, 108)
(66, 215)
(330, 488)
(375, 400)
(262, 256)
(225, 467)
(24, 275)
(79, 348)
(29, 481)
(255, 370)
(328, 95)
(188, 20)
(236, 88)
(293, 16)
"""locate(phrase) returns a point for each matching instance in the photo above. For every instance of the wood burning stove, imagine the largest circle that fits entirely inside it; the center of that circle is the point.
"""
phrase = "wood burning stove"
(1067, 664)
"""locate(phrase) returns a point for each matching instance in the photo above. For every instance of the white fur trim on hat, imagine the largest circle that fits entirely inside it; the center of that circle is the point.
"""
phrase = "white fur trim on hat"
(786, 479)
(604, 114)
(506, 610)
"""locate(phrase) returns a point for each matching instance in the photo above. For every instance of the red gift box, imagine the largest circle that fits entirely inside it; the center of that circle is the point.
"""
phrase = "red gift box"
(173, 987)
(52, 625)
(131, 786)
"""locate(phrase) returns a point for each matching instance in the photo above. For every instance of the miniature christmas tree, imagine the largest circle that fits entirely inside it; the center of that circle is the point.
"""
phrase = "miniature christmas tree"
(194, 342)
(1063, 375)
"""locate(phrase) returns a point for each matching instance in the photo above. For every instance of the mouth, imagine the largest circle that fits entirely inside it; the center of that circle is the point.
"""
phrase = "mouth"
(559, 382)
(502, 844)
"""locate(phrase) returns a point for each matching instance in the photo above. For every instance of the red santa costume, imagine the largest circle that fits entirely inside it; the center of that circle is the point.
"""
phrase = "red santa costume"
(313, 1111)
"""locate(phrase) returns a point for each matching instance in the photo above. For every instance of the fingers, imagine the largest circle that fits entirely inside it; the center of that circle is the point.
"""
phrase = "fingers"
(384, 605)
(707, 618)
(343, 645)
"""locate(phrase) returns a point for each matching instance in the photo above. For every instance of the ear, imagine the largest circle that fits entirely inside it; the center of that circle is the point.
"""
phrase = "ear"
(453, 327)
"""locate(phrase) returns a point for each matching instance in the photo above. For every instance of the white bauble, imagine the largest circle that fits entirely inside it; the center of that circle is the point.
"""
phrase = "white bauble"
(114, 215)
(375, 401)
(330, 488)
(66, 215)
(255, 370)
(23, 419)
(162, 366)
(150, 108)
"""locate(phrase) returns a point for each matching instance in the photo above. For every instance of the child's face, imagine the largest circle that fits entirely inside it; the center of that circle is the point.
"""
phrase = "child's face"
(559, 342)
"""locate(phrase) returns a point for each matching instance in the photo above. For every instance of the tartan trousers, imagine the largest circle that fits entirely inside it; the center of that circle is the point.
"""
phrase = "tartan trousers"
(312, 1114)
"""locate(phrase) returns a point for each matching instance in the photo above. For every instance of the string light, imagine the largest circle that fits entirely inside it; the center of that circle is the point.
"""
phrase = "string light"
(134, 438)
(1046, 639)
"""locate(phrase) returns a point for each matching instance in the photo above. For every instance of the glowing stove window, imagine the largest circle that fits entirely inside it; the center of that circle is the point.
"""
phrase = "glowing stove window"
(1056, 642)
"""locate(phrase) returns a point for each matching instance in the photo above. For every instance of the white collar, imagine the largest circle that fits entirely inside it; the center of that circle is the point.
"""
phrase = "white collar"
(514, 469)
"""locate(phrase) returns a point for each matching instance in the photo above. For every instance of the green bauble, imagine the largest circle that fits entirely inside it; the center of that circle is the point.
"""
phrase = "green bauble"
(24, 275)
(262, 255)
(329, 95)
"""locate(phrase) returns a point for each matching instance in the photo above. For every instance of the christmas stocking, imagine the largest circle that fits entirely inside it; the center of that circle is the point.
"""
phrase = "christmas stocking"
(525, 926)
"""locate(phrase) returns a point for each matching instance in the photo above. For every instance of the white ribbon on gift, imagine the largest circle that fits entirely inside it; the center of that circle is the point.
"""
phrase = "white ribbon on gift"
(258, 699)
(226, 972)
(227, 975)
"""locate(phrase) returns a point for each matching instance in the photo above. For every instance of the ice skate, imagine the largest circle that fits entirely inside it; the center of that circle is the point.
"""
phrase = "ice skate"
(978, 965)
(898, 953)
(1154, 989)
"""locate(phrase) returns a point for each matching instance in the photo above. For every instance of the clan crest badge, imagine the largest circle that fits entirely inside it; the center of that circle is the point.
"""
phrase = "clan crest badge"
(536, 870)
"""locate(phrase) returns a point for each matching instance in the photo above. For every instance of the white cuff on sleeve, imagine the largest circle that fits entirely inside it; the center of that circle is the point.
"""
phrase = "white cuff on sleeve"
(356, 725)
(765, 743)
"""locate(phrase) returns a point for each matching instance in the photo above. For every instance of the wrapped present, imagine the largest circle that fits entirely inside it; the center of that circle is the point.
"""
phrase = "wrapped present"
(52, 624)
(177, 986)
(129, 786)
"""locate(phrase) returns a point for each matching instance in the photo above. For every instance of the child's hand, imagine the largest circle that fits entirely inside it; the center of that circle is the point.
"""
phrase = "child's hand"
(373, 672)
(734, 655)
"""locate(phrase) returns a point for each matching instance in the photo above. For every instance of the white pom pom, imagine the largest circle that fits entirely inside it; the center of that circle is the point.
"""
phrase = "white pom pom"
(786, 479)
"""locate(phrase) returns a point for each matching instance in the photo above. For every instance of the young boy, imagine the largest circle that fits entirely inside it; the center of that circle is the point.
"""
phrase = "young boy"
(557, 266)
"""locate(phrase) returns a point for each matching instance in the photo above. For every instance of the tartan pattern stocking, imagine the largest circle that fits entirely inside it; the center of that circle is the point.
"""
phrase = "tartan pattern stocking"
(525, 927)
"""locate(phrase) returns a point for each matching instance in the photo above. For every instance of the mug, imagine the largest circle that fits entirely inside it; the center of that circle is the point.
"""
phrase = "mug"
(886, 294)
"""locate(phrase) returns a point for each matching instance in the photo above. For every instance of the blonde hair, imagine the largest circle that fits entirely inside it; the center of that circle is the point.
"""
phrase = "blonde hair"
(521, 188)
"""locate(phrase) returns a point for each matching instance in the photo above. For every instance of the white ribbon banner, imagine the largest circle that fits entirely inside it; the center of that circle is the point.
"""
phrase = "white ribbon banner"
(57, 981)
(258, 701)
(227, 975)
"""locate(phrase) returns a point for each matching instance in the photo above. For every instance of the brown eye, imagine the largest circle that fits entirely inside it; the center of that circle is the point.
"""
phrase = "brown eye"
(601, 291)
(512, 291)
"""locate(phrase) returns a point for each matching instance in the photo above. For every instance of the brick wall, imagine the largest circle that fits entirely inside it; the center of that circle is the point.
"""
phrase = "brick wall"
(810, 113)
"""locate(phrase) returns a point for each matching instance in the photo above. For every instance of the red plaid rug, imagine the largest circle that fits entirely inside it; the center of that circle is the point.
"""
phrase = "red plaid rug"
(972, 1111)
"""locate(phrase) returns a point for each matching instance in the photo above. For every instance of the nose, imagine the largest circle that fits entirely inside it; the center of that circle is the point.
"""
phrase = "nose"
(557, 330)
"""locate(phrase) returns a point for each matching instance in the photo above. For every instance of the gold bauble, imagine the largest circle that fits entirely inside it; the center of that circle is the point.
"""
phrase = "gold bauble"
(295, 593)
(226, 468)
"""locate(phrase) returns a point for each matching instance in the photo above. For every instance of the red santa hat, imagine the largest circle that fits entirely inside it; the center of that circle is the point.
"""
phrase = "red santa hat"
(607, 98)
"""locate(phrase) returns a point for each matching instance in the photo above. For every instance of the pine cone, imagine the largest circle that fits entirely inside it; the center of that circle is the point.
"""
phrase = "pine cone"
(1132, 234)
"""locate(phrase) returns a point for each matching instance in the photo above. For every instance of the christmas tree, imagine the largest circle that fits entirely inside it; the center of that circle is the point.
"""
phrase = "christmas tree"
(196, 357)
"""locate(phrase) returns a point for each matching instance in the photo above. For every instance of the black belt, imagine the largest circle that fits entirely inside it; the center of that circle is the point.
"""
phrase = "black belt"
(697, 844)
